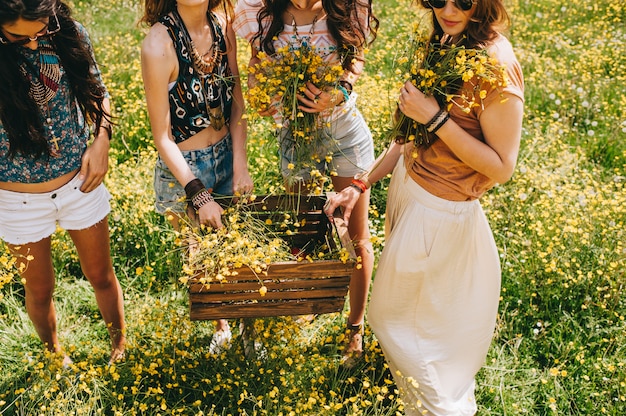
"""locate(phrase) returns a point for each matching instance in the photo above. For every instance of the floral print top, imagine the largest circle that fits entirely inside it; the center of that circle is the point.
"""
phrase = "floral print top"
(69, 127)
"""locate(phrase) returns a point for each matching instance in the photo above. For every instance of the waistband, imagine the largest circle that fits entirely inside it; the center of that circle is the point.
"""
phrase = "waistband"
(70, 186)
(225, 144)
(426, 198)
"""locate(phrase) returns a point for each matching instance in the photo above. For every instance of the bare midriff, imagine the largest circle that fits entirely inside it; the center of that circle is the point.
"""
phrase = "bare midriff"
(41, 187)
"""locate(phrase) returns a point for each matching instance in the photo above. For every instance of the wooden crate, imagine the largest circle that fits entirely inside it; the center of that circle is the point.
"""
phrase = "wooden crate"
(293, 287)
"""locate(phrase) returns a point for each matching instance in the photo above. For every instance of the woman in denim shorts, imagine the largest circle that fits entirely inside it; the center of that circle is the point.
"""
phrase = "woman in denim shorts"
(195, 105)
(49, 174)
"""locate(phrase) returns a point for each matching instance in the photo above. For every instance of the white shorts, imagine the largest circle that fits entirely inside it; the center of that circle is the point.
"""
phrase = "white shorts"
(28, 218)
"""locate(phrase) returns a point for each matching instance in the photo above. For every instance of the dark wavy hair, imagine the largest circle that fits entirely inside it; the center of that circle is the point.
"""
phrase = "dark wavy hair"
(343, 24)
(153, 10)
(490, 17)
(20, 115)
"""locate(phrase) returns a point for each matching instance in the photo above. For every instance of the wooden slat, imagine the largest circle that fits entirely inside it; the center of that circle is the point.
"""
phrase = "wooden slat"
(290, 269)
(276, 285)
(212, 297)
(252, 310)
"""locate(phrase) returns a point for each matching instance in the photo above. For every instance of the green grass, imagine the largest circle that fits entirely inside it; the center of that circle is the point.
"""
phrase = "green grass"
(559, 223)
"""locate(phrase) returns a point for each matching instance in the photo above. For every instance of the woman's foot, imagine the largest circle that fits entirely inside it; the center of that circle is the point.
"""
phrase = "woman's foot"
(117, 355)
(353, 349)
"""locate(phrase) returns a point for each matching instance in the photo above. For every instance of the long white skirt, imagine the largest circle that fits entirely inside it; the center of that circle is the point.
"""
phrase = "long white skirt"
(435, 297)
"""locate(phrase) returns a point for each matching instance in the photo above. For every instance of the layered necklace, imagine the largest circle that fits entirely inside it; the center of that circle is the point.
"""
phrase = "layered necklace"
(45, 86)
(204, 65)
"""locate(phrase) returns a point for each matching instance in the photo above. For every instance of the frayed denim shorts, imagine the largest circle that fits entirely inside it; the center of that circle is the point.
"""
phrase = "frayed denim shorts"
(213, 165)
(29, 218)
(347, 141)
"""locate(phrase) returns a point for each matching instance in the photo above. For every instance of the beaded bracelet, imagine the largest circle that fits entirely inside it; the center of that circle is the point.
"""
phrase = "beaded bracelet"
(193, 187)
(346, 85)
(201, 198)
(344, 91)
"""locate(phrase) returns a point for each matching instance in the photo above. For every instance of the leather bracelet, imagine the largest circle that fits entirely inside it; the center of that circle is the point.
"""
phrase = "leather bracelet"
(440, 123)
(436, 120)
(193, 187)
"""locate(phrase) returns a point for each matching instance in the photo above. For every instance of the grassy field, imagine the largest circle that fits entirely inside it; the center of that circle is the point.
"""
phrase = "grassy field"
(560, 345)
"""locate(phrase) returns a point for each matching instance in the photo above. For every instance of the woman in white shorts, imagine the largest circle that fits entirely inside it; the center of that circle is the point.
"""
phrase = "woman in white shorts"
(49, 174)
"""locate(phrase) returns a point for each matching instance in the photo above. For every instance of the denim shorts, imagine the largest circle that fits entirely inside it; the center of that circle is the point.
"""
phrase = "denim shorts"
(29, 218)
(213, 165)
(346, 138)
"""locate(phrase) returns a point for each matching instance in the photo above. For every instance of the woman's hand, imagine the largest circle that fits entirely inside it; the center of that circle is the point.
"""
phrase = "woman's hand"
(95, 164)
(242, 182)
(316, 100)
(209, 214)
(346, 199)
(416, 105)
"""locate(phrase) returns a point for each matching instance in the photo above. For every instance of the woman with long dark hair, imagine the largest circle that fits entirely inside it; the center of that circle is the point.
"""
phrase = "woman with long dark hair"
(195, 105)
(50, 173)
(436, 293)
(339, 31)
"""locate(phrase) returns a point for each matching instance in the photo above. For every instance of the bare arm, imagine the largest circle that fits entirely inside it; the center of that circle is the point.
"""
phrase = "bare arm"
(348, 197)
(95, 161)
(242, 183)
(501, 124)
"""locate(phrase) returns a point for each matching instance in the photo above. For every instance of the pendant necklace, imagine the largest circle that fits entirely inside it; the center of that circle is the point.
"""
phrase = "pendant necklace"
(295, 26)
(204, 68)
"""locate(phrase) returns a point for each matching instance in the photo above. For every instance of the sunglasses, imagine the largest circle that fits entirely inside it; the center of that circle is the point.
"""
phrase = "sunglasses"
(51, 28)
(464, 5)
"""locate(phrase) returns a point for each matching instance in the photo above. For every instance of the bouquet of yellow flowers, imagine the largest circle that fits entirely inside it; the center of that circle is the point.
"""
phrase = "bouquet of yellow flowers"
(453, 74)
(278, 80)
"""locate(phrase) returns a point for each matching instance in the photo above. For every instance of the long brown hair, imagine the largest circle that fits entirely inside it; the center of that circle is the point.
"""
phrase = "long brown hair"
(343, 24)
(155, 9)
(20, 115)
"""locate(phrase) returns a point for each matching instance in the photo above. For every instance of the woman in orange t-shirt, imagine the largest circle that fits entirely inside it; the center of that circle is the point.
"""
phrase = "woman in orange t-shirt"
(435, 297)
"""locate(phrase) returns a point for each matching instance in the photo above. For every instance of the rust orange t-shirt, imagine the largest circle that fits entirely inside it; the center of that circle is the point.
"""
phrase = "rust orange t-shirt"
(437, 169)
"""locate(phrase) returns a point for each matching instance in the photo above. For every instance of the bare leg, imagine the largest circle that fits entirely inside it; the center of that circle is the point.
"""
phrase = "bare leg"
(39, 288)
(94, 253)
(358, 228)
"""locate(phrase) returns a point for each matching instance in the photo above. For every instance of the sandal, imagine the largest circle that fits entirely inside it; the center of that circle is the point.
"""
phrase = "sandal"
(353, 349)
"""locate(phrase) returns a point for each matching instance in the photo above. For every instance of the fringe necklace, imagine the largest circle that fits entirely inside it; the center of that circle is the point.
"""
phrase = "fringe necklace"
(45, 86)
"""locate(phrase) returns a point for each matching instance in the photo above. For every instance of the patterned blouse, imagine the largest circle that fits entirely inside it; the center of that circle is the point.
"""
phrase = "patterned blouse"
(69, 128)
(197, 101)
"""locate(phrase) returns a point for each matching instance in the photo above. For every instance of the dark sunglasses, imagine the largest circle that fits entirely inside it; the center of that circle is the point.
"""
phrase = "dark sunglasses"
(464, 5)
(51, 28)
